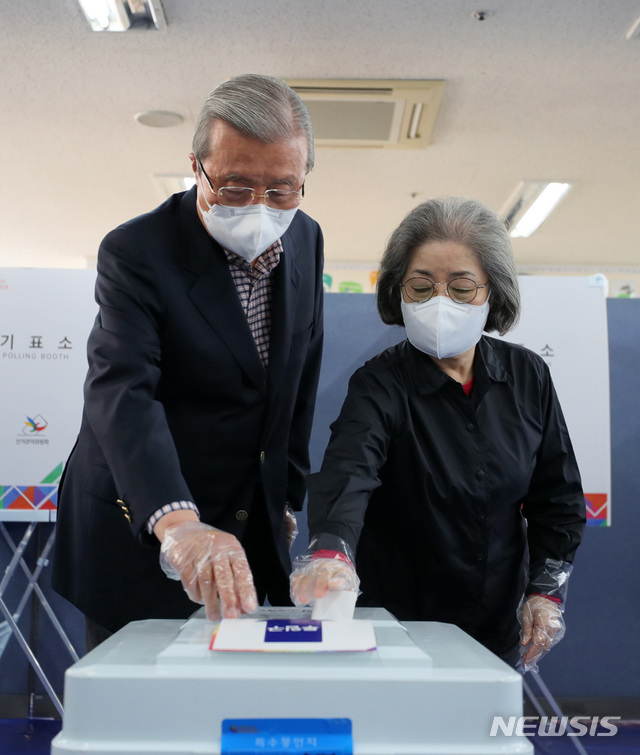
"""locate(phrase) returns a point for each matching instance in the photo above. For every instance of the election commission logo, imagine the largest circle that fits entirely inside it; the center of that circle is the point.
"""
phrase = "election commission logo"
(34, 425)
(33, 431)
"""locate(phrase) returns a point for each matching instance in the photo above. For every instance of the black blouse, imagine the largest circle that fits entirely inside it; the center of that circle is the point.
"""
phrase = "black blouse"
(443, 494)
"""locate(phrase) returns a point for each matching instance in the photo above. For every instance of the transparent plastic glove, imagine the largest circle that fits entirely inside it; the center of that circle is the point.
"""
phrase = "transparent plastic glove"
(212, 566)
(317, 577)
(542, 627)
(316, 571)
(290, 525)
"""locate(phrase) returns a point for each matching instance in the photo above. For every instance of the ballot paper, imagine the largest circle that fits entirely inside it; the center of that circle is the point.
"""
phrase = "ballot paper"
(286, 635)
(337, 604)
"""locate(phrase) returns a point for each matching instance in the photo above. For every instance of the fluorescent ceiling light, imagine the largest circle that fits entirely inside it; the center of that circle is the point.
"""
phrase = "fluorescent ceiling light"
(123, 15)
(531, 204)
(105, 15)
(634, 30)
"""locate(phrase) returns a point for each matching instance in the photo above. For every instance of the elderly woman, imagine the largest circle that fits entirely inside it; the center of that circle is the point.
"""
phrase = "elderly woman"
(450, 472)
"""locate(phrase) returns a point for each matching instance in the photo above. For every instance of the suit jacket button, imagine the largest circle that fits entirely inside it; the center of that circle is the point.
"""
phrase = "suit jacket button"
(241, 515)
(125, 509)
(262, 455)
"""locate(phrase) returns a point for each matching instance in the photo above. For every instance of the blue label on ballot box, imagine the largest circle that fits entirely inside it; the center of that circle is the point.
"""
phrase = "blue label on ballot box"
(282, 736)
(289, 630)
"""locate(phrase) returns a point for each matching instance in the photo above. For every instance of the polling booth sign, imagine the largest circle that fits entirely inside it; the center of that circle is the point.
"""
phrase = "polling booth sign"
(45, 319)
(564, 320)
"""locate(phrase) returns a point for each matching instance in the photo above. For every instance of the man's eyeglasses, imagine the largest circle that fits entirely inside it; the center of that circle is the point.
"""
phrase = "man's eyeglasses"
(241, 196)
(461, 290)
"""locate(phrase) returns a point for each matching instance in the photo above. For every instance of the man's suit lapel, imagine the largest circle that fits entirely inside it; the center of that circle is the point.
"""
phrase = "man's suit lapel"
(214, 294)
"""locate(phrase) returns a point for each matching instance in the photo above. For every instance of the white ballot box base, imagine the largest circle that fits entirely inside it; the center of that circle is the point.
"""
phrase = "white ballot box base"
(155, 687)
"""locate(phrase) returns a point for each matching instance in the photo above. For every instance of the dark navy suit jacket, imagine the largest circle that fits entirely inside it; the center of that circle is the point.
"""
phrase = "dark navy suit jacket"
(178, 406)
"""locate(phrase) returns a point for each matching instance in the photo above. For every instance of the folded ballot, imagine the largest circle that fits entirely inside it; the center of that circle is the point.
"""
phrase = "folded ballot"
(284, 635)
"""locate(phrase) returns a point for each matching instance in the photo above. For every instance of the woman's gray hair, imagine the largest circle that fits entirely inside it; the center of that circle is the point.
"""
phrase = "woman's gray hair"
(259, 107)
(465, 221)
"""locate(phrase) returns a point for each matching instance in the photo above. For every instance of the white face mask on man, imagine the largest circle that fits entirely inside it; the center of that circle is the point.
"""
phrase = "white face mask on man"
(246, 231)
(443, 328)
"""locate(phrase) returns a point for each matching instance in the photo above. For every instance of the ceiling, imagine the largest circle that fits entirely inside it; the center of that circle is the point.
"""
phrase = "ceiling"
(540, 89)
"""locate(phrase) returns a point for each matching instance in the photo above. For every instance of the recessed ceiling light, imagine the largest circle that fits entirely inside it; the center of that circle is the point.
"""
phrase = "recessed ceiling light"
(159, 118)
(530, 205)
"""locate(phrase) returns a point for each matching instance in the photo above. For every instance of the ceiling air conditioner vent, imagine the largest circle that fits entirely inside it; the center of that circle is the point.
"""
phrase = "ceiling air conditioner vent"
(394, 114)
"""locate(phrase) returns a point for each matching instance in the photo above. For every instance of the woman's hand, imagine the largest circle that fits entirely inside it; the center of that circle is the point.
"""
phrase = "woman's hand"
(313, 579)
(290, 525)
(542, 627)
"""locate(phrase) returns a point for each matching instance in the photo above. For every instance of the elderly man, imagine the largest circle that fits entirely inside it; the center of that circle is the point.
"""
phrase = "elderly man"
(203, 367)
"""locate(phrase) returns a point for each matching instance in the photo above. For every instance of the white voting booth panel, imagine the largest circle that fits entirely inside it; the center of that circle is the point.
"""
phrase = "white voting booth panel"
(45, 318)
(155, 687)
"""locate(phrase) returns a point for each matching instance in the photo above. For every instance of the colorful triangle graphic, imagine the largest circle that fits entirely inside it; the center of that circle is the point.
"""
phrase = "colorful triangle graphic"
(597, 509)
(20, 503)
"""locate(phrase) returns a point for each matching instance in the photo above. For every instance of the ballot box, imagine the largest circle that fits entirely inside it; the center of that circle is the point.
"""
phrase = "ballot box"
(155, 687)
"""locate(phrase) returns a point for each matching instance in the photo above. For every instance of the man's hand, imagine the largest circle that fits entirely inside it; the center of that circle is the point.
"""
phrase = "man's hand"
(211, 564)
(542, 627)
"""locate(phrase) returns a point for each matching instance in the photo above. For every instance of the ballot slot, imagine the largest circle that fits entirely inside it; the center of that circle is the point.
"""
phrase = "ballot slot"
(375, 633)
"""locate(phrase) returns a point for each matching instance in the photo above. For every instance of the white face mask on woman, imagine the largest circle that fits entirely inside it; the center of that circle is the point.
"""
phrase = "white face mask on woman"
(246, 231)
(443, 328)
